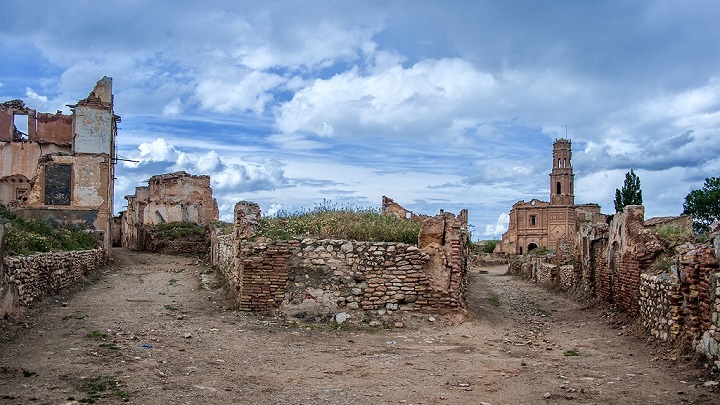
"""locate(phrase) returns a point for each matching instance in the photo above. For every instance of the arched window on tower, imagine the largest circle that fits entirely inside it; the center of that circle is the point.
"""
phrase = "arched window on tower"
(557, 187)
(564, 163)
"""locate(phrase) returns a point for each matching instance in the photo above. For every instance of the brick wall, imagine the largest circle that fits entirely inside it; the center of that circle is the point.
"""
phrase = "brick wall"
(673, 289)
(25, 279)
(319, 277)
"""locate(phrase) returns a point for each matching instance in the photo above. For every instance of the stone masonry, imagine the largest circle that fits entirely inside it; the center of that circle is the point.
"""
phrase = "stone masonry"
(316, 278)
(673, 291)
(25, 279)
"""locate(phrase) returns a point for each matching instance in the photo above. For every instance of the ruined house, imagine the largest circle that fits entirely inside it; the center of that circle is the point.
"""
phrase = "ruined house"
(308, 277)
(62, 168)
(390, 207)
(551, 224)
(171, 197)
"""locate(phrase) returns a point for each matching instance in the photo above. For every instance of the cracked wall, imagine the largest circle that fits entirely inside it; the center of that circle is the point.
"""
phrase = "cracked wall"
(315, 278)
(171, 197)
(62, 169)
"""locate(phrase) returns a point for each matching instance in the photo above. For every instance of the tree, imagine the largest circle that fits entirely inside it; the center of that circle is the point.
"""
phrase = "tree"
(631, 193)
(703, 205)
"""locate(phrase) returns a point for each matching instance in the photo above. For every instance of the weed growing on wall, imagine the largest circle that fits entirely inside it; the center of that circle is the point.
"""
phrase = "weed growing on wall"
(330, 221)
(27, 236)
(675, 234)
(179, 230)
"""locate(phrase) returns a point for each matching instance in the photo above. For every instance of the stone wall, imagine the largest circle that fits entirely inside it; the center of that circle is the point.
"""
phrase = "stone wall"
(708, 342)
(316, 278)
(25, 279)
(672, 288)
(170, 197)
(221, 250)
(660, 306)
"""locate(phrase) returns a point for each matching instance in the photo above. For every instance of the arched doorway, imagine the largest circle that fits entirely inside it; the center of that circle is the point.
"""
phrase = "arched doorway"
(532, 246)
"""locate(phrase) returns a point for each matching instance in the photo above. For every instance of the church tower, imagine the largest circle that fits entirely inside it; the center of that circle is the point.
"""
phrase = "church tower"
(561, 177)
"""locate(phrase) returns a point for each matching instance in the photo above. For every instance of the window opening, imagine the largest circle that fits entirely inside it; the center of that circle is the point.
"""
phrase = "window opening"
(557, 186)
(21, 127)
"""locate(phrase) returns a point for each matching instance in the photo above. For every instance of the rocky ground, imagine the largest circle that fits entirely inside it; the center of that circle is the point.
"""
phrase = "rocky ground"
(152, 330)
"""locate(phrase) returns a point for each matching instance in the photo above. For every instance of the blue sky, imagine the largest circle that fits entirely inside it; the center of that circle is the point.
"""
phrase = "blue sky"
(439, 105)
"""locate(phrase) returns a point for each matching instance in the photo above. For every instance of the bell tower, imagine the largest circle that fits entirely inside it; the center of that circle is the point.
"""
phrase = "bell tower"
(561, 177)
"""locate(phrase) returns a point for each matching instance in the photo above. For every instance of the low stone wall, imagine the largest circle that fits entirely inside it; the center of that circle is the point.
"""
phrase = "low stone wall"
(325, 276)
(708, 342)
(546, 273)
(315, 279)
(179, 247)
(660, 306)
(25, 279)
(528, 267)
(221, 251)
(150, 240)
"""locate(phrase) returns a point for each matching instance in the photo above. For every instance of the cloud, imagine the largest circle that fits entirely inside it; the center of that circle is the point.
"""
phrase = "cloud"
(399, 101)
(227, 173)
(240, 90)
(499, 227)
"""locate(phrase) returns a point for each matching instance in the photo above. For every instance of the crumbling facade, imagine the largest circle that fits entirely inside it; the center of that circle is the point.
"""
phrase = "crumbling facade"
(672, 286)
(317, 278)
(390, 207)
(553, 224)
(171, 197)
(62, 169)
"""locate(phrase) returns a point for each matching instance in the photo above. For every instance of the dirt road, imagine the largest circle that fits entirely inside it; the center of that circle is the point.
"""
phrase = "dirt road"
(150, 331)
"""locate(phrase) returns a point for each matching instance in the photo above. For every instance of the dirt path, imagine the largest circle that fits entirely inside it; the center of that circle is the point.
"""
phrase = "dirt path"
(150, 332)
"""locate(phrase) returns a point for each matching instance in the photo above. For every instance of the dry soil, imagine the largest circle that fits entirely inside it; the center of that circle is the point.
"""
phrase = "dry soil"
(153, 329)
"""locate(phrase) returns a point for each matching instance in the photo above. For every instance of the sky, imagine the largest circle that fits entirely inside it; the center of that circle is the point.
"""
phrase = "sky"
(438, 105)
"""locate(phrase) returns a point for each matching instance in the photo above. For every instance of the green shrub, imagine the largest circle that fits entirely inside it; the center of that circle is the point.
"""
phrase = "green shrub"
(489, 246)
(675, 233)
(224, 228)
(541, 251)
(179, 230)
(327, 221)
(27, 236)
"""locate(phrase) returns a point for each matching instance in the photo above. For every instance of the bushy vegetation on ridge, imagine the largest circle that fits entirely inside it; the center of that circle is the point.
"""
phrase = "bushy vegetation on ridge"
(28, 236)
(179, 230)
(330, 221)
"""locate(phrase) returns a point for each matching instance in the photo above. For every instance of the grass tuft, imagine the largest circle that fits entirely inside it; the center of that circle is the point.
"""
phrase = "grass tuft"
(331, 221)
(25, 236)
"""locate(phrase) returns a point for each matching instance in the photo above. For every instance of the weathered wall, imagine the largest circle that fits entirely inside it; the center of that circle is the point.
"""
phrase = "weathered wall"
(221, 250)
(632, 249)
(390, 207)
(26, 279)
(65, 162)
(22, 157)
(673, 290)
(317, 278)
(172, 197)
(152, 240)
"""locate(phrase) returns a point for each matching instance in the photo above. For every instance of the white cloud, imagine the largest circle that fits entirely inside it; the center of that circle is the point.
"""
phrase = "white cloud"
(274, 209)
(34, 96)
(158, 150)
(411, 101)
(236, 90)
(173, 108)
(498, 228)
(226, 172)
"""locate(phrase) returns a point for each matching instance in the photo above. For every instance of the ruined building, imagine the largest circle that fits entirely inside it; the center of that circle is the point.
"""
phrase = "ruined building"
(551, 224)
(172, 197)
(62, 169)
(306, 277)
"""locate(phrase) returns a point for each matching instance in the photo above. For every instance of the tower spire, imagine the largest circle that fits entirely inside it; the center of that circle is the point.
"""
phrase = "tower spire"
(562, 176)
